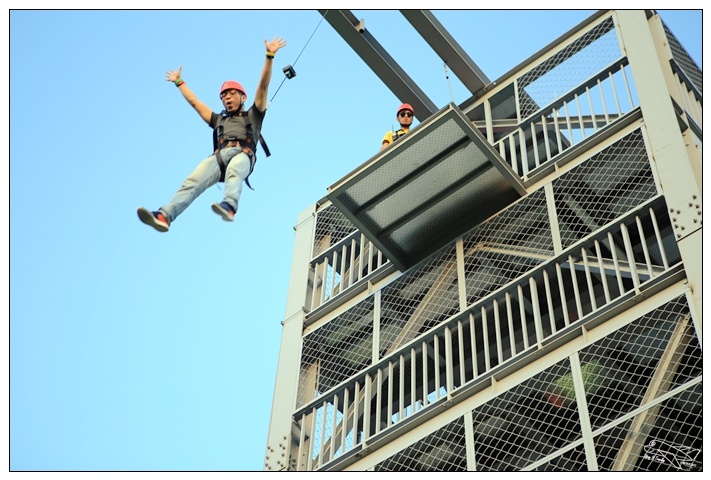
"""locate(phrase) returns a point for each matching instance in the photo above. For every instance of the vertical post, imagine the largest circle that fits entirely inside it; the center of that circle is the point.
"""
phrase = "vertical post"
(469, 441)
(375, 347)
(461, 274)
(287, 376)
(584, 415)
(674, 163)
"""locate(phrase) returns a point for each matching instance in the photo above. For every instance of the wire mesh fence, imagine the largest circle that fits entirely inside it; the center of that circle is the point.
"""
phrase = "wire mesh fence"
(441, 451)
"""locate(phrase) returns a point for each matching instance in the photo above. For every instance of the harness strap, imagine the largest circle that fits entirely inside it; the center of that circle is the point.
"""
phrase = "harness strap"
(264, 145)
(223, 166)
(221, 163)
(218, 143)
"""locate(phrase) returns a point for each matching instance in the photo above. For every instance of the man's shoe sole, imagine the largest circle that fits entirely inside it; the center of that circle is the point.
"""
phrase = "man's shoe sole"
(147, 217)
(217, 208)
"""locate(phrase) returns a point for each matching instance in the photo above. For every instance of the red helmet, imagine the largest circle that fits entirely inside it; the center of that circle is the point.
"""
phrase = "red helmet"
(230, 84)
(405, 106)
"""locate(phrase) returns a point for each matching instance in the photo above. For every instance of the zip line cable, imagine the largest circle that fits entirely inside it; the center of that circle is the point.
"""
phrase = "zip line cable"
(297, 59)
(290, 68)
(446, 75)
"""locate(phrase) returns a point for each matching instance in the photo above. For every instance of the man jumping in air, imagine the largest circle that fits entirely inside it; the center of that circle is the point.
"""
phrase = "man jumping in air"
(236, 132)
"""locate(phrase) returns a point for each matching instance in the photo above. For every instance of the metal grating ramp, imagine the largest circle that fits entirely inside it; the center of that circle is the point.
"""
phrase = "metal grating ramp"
(430, 186)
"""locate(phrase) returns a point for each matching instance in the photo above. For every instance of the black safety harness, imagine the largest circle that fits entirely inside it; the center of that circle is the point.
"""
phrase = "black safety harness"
(397, 134)
(248, 145)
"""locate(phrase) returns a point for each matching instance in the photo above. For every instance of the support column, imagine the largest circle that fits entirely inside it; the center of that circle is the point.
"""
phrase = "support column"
(282, 445)
(672, 161)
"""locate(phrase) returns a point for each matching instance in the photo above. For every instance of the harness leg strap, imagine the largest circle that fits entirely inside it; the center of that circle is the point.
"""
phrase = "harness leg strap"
(221, 163)
(223, 166)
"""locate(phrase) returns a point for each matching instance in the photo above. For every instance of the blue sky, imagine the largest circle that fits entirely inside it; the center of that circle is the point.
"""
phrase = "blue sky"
(132, 350)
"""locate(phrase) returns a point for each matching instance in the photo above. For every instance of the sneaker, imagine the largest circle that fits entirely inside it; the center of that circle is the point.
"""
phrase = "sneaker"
(155, 219)
(224, 210)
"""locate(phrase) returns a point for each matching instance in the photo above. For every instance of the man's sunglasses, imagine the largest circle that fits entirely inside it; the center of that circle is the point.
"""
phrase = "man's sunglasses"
(404, 114)
(231, 91)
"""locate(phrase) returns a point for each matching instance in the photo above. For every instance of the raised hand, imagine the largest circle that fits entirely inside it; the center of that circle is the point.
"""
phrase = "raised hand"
(173, 75)
(275, 44)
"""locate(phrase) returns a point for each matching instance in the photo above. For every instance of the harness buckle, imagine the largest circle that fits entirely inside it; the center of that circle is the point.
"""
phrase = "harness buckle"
(229, 143)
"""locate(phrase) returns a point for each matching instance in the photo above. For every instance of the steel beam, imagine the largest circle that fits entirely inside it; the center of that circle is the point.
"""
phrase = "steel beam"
(353, 31)
(447, 48)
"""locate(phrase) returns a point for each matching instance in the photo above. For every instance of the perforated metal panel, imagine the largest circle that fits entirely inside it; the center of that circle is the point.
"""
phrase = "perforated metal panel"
(437, 182)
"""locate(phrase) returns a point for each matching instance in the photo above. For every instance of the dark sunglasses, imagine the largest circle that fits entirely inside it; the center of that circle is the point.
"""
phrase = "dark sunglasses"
(404, 114)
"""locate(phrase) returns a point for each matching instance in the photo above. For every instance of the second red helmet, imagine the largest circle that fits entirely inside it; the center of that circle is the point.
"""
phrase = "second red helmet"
(405, 106)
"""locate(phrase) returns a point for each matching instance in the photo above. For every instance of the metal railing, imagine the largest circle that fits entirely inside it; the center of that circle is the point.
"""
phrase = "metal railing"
(342, 257)
(572, 118)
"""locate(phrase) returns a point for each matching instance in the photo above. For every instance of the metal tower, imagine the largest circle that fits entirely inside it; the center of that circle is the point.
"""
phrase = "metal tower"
(516, 283)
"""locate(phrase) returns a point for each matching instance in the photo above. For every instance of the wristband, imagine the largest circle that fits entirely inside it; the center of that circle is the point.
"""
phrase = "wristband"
(179, 82)
(270, 54)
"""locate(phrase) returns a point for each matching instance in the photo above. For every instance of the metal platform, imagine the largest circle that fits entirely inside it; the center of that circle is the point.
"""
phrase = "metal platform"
(432, 185)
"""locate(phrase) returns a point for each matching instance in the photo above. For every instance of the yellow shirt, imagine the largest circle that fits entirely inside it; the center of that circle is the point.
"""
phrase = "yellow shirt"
(389, 136)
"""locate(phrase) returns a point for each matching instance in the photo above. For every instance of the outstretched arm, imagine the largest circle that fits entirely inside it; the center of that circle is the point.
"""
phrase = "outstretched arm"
(203, 110)
(260, 98)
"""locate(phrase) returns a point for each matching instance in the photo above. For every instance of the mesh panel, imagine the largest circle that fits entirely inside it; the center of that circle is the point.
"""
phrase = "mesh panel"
(419, 301)
(524, 424)
(336, 351)
(603, 188)
(625, 363)
(684, 60)
(540, 416)
(665, 437)
(675, 442)
(331, 227)
(568, 68)
(570, 461)
(441, 451)
(496, 252)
